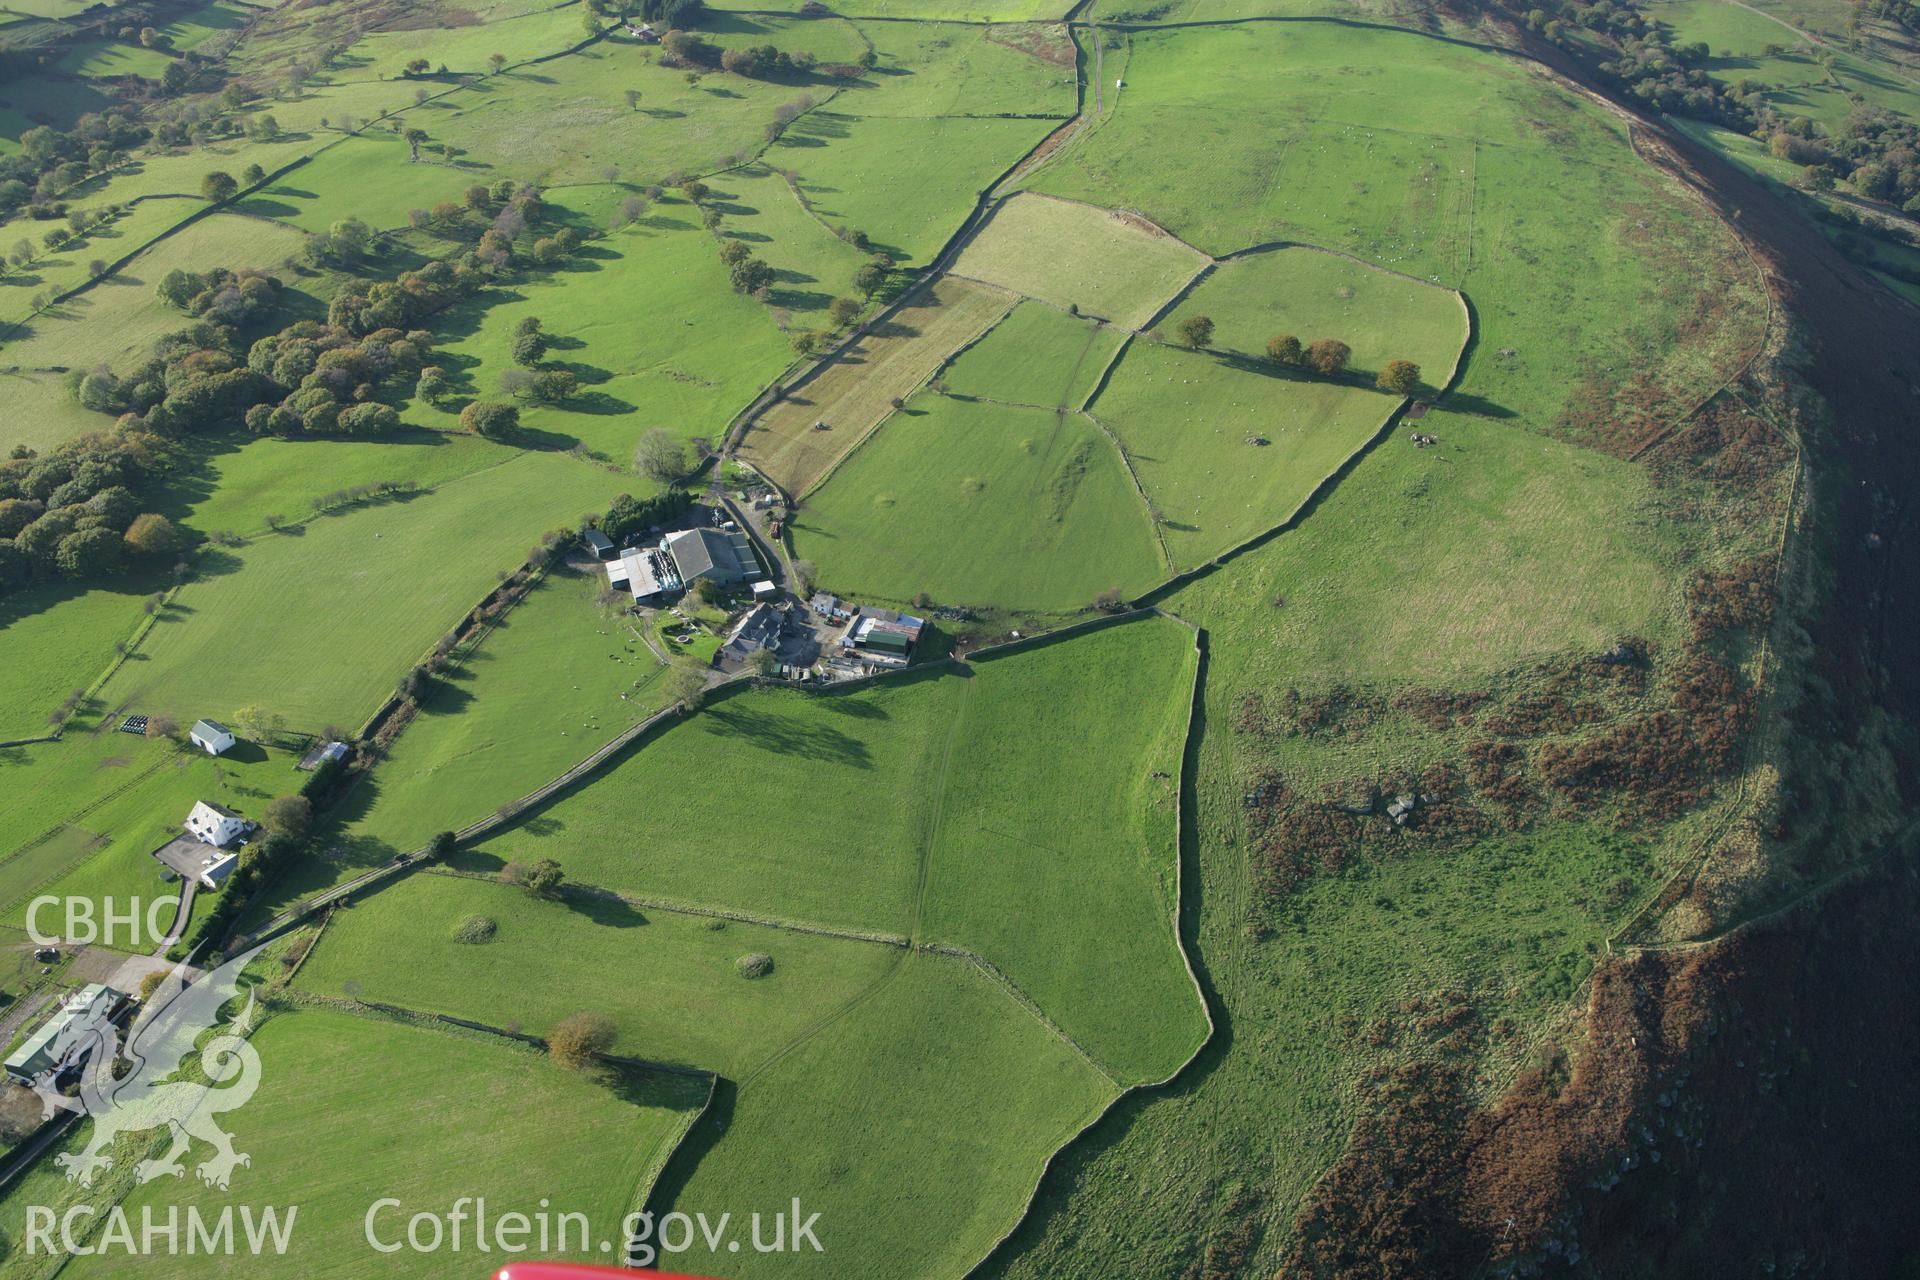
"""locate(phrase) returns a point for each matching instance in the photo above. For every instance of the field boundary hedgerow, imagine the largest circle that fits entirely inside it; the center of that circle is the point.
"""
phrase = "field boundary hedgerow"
(584, 890)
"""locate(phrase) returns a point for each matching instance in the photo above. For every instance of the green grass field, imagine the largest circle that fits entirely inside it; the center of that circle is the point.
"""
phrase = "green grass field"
(235, 483)
(1322, 295)
(1493, 548)
(835, 796)
(1099, 852)
(566, 124)
(855, 390)
(677, 997)
(548, 683)
(981, 504)
(368, 177)
(427, 1127)
(317, 623)
(1076, 255)
(1456, 167)
(1187, 421)
(204, 24)
(954, 159)
(931, 771)
(966, 70)
(1038, 355)
(644, 318)
(918, 1122)
(934, 10)
(59, 638)
(812, 265)
(464, 50)
(56, 271)
(100, 60)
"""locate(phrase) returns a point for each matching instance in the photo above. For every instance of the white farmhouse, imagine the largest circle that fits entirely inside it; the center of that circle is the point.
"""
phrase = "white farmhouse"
(211, 736)
(215, 824)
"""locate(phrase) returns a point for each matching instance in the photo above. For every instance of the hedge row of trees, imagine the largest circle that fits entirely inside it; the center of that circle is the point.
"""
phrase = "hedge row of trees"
(74, 513)
(633, 515)
(1325, 356)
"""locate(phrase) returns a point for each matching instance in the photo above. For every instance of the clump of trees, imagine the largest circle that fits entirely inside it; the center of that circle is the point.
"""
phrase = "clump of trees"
(52, 161)
(73, 513)
(228, 297)
(764, 62)
(630, 515)
(1326, 356)
(491, 420)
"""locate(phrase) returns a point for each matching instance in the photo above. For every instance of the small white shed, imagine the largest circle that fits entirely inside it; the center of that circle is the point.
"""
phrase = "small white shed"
(211, 736)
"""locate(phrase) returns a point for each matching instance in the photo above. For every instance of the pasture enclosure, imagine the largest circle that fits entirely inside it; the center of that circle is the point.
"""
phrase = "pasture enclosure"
(1097, 857)
(979, 503)
(1311, 294)
(60, 638)
(954, 159)
(920, 1117)
(1111, 265)
(678, 997)
(317, 622)
(644, 318)
(1226, 451)
(1037, 355)
(1489, 550)
(798, 439)
(812, 266)
(542, 689)
(579, 1147)
(868, 761)
(1462, 168)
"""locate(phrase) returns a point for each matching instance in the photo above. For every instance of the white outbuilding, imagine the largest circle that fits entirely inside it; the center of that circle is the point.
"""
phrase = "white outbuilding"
(211, 736)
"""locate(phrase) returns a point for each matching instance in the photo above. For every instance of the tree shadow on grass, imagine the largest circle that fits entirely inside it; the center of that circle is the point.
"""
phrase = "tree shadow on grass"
(261, 207)
(787, 736)
(598, 403)
(601, 909)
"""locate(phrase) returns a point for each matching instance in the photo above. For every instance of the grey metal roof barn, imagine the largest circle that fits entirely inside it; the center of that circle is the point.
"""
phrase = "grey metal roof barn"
(713, 554)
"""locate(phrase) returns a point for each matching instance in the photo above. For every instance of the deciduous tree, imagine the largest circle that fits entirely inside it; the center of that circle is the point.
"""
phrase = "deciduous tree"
(290, 816)
(1197, 332)
(493, 421)
(1398, 376)
(1329, 355)
(660, 456)
(577, 1041)
(1285, 348)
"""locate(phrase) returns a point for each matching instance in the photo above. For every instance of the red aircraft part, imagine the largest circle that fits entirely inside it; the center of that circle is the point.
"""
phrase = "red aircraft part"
(579, 1271)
